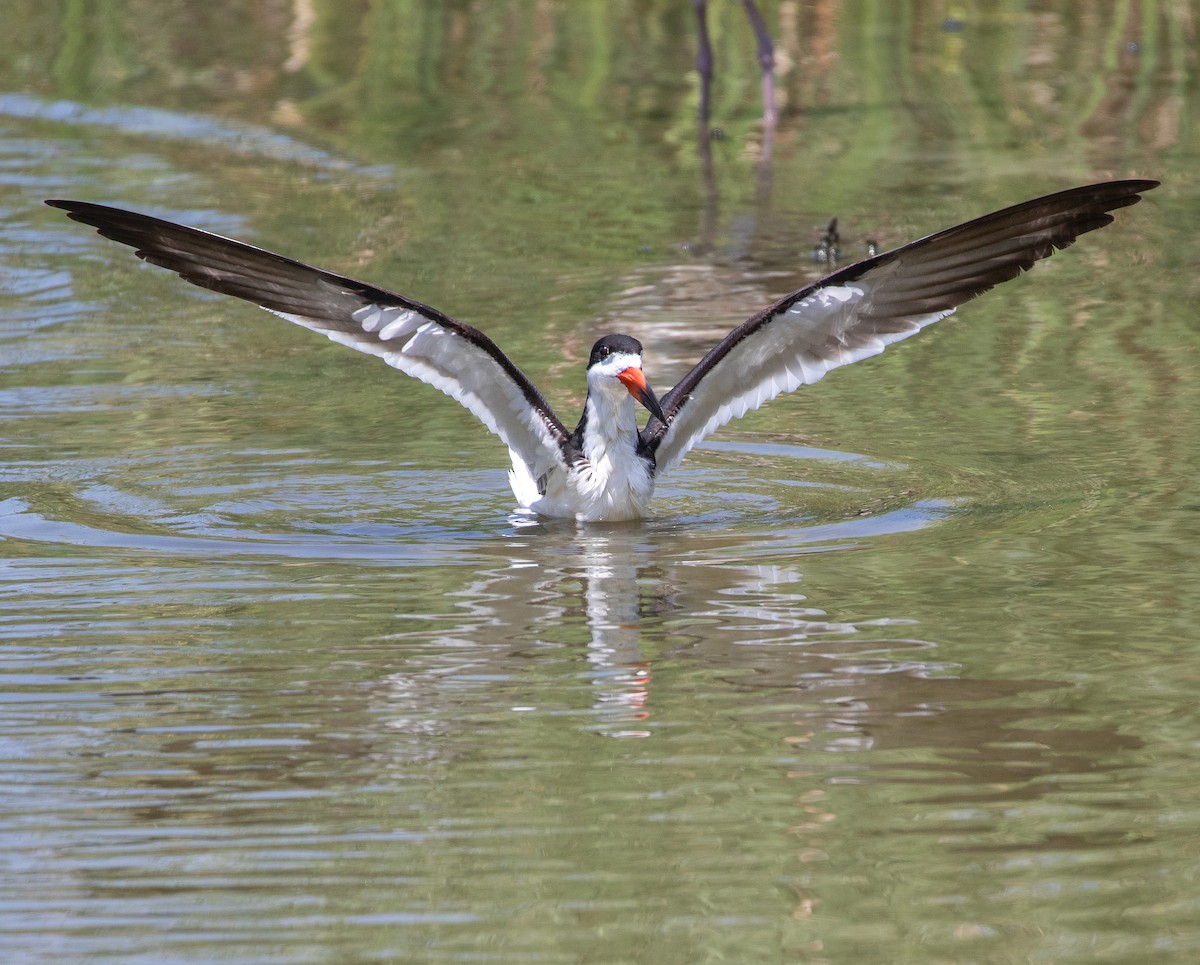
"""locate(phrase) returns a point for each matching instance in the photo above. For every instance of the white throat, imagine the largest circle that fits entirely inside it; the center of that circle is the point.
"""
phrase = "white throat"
(611, 419)
(611, 483)
(615, 483)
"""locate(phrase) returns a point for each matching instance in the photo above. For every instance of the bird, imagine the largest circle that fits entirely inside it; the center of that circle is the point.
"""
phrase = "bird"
(605, 469)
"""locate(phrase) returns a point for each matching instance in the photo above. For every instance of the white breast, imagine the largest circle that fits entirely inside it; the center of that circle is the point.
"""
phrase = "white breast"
(612, 483)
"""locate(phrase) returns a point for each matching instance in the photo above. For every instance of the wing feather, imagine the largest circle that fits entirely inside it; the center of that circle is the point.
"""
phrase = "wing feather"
(860, 310)
(420, 341)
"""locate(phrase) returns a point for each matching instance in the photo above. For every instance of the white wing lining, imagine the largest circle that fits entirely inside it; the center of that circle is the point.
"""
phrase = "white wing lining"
(424, 349)
(821, 332)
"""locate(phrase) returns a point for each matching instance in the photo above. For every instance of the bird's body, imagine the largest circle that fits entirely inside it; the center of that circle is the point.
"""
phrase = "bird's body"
(610, 476)
(606, 468)
(611, 481)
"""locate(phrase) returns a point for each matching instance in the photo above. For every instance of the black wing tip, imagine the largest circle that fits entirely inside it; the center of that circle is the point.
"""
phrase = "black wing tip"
(1100, 197)
(1133, 184)
(1118, 194)
(1137, 184)
(70, 204)
(1120, 190)
(77, 209)
(116, 224)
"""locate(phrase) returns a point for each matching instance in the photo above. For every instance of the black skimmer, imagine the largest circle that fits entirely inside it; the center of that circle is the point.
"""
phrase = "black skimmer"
(605, 469)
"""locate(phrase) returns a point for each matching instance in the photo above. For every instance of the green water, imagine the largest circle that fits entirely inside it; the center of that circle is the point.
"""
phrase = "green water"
(903, 669)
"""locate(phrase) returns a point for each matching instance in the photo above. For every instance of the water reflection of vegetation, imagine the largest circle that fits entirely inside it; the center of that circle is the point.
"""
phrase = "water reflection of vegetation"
(389, 75)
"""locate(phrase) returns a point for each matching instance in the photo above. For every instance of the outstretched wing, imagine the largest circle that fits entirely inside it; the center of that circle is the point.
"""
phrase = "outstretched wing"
(858, 311)
(414, 338)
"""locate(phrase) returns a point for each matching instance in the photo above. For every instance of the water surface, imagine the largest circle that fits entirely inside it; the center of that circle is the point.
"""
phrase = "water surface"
(903, 668)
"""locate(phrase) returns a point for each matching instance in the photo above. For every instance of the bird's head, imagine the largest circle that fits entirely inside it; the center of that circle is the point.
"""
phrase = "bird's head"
(618, 359)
